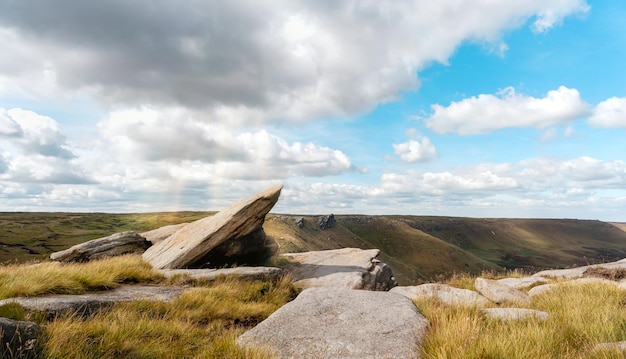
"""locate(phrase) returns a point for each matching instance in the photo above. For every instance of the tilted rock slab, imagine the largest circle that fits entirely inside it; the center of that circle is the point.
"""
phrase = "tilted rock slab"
(341, 323)
(499, 293)
(212, 274)
(18, 339)
(86, 304)
(351, 268)
(114, 245)
(159, 234)
(444, 293)
(510, 314)
(189, 244)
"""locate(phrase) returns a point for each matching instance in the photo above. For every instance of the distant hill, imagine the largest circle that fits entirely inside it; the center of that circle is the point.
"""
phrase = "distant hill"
(418, 248)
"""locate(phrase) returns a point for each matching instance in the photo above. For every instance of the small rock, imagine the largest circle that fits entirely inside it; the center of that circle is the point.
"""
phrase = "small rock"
(114, 245)
(514, 313)
(326, 222)
(446, 294)
(341, 323)
(499, 293)
(18, 339)
(212, 274)
(521, 283)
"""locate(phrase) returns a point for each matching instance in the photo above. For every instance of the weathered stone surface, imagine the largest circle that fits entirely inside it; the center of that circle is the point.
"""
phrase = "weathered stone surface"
(326, 222)
(211, 274)
(18, 339)
(341, 323)
(499, 293)
(250, 250)
(114, 245)
(514, 313)
(444, 293)
(187, 246)
(579, 272)
(547, 287)
(351, 268)
(521, 283)
(85, 304)
(157, 235)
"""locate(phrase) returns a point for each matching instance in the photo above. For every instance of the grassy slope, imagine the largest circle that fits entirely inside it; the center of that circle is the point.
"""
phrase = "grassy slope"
(416, 248)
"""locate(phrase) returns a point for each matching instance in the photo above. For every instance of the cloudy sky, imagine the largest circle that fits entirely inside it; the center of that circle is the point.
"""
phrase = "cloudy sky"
(476, 108)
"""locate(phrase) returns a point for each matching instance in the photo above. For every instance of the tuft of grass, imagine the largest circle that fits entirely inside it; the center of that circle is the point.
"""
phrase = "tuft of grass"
(73, 278)
(203, 323)
(581, 316)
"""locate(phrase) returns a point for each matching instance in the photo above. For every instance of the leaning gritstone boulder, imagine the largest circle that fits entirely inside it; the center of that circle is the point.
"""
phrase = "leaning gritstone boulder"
(114, 245)
(341, 323)
(351, 268)
(18, 339)
(187, 247)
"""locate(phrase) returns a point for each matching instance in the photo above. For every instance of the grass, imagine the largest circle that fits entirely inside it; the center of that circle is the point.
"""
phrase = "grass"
(204, 322)
(581, 316)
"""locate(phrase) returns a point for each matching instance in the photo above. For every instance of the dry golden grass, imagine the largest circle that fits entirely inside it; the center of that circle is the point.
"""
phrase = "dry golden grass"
(581, 316)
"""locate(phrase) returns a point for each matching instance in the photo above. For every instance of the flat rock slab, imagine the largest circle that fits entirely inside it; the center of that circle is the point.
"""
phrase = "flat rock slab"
(212, 274)
(113, 245)
(85, 304)
(499, 293)
(522, 283)
(191, 243)
(341, 323)
(444, 293)
(547, 287)
(514, 313)
(579, 272)
(351, 268)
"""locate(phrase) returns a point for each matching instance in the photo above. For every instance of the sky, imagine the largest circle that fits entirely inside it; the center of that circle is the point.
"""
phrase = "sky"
(482, 108)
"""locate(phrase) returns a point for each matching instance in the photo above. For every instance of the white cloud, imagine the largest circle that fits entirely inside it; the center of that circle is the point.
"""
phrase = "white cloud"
(485, 113)
(278, 60)
(610, 113)
(415, 151)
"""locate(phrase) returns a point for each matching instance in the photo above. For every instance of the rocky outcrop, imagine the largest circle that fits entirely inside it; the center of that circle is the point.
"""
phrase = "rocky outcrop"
(157, 235)
(18, 339)
(212, 274)
(350, 268)
(86, 304)
(444, 293)
(300, 222)
(341, 323)
(499, 293)
(114, 245)
(509, 314)
(326, 222)
(189, 246)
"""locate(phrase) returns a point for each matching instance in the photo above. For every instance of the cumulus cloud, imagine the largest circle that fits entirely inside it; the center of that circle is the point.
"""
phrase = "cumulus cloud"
(415, 151)
(277, 60)
(485, 113)
(610, 113)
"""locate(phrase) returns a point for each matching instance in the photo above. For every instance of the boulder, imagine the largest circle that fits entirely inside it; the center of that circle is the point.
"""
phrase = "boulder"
(522, 283)
(341, 323)
(86, 304)
(188, 246)
(351, 268)
(114, 245)
(444, 293)
(514, 314)
(499, 293)
(300, 222)
(212, 274)
(157, 235)
(18, 339)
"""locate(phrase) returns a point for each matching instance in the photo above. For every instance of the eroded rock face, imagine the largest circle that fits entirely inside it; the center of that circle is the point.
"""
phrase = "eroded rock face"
(326, 222)
(18, 339)
(444, 293)
(341, 323)
(499, 293)
(114, 245)
(187, 247)
(351, 268)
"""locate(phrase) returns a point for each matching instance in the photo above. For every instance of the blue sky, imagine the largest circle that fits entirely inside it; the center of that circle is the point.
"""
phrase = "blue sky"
(460, 108)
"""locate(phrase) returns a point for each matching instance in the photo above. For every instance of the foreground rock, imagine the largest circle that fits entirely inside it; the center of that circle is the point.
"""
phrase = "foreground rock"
(212, 274)
(351, 268)
(114, 245)
(189, 246)
(341, 323)
(86, 304)
(499, 293)
(18, 339)
(444, 293)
